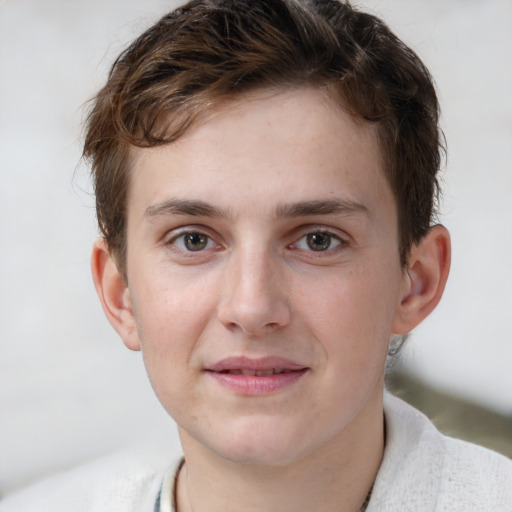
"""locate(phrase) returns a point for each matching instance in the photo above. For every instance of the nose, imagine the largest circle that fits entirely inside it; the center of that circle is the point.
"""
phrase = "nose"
(254, 299)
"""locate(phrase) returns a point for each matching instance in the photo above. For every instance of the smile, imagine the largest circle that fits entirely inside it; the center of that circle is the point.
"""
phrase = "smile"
(256, 377)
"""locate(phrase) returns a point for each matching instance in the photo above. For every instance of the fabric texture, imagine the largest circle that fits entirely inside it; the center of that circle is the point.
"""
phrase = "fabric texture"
(122, 482)
(421, 471)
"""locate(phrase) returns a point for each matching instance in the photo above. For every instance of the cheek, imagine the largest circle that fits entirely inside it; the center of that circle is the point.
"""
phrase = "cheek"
(171, 315)
(170, 309)
(351, 312)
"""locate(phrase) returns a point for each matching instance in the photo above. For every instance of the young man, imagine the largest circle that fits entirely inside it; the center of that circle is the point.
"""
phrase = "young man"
(265, 177)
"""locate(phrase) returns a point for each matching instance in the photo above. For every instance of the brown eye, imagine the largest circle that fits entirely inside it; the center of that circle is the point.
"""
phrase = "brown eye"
(319, 241)
(195, 241)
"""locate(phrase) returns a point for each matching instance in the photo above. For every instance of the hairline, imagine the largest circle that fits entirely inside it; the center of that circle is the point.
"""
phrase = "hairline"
(333, 96)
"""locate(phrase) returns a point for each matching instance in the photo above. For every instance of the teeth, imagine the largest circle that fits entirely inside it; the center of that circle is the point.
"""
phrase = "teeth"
(259, 373)
(265, 372)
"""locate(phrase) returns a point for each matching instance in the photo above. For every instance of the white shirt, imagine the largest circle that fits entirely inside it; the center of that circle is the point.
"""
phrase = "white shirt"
(421, 471)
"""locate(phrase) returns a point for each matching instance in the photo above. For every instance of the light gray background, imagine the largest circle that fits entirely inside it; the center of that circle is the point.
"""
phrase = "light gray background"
(69, 390)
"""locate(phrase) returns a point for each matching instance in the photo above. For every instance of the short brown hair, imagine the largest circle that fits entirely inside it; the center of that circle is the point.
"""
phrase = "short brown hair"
(211, 50)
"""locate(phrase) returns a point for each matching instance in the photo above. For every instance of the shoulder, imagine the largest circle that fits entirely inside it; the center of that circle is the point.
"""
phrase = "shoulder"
(425, 470)
(477, 476)
(118, 483)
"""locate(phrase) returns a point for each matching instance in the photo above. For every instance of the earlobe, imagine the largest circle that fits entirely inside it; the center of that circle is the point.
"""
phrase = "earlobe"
(114, 294)
(425, 279)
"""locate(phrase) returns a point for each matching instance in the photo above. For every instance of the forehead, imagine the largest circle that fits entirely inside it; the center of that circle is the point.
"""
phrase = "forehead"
(269, 144)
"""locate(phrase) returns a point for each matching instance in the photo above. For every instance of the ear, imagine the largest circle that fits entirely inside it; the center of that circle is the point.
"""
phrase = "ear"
(114, 294)
(424, 279)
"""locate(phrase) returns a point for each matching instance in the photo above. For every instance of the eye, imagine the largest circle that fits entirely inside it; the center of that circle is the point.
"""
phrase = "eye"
(318, 241)
(192, 241)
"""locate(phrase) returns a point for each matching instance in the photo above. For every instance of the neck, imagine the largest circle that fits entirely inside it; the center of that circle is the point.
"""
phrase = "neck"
(335, 478)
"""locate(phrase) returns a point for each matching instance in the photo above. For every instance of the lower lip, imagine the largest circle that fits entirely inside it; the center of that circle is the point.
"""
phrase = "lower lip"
(257, 385)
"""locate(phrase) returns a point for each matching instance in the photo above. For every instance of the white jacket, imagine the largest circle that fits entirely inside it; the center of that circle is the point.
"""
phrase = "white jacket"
(422, 471)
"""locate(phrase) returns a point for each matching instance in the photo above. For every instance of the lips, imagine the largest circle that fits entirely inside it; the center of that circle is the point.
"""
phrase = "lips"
(253, 377)
(259, 373)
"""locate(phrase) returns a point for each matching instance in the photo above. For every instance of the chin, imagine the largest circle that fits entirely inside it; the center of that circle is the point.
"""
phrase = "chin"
(262, 442)
(264, 455)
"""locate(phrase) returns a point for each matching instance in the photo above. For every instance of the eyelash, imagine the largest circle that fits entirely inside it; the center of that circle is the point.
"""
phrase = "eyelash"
(173, 241)
(332, 238)
(178, 242)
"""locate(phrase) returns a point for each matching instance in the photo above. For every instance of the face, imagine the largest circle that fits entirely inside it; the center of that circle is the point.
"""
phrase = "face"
(263, 275)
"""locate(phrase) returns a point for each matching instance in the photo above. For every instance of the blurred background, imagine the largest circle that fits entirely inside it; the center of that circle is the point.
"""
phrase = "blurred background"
(70, 391)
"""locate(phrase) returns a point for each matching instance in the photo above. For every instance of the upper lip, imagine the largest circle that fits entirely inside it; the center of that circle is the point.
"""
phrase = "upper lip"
(254, 364)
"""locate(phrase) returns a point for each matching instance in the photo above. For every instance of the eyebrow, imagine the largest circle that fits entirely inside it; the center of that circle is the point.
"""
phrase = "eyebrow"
(290, 210)
(321, 207)
(184, 207)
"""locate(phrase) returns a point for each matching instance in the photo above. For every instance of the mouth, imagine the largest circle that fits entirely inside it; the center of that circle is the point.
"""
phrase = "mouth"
(258, 373)
(256, 377)
(263, 366)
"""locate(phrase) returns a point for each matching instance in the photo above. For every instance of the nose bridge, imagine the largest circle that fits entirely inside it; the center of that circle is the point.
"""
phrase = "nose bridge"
(254, 298)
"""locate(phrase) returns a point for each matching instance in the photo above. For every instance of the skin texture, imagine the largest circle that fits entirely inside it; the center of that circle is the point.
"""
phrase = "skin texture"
(294, 227)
